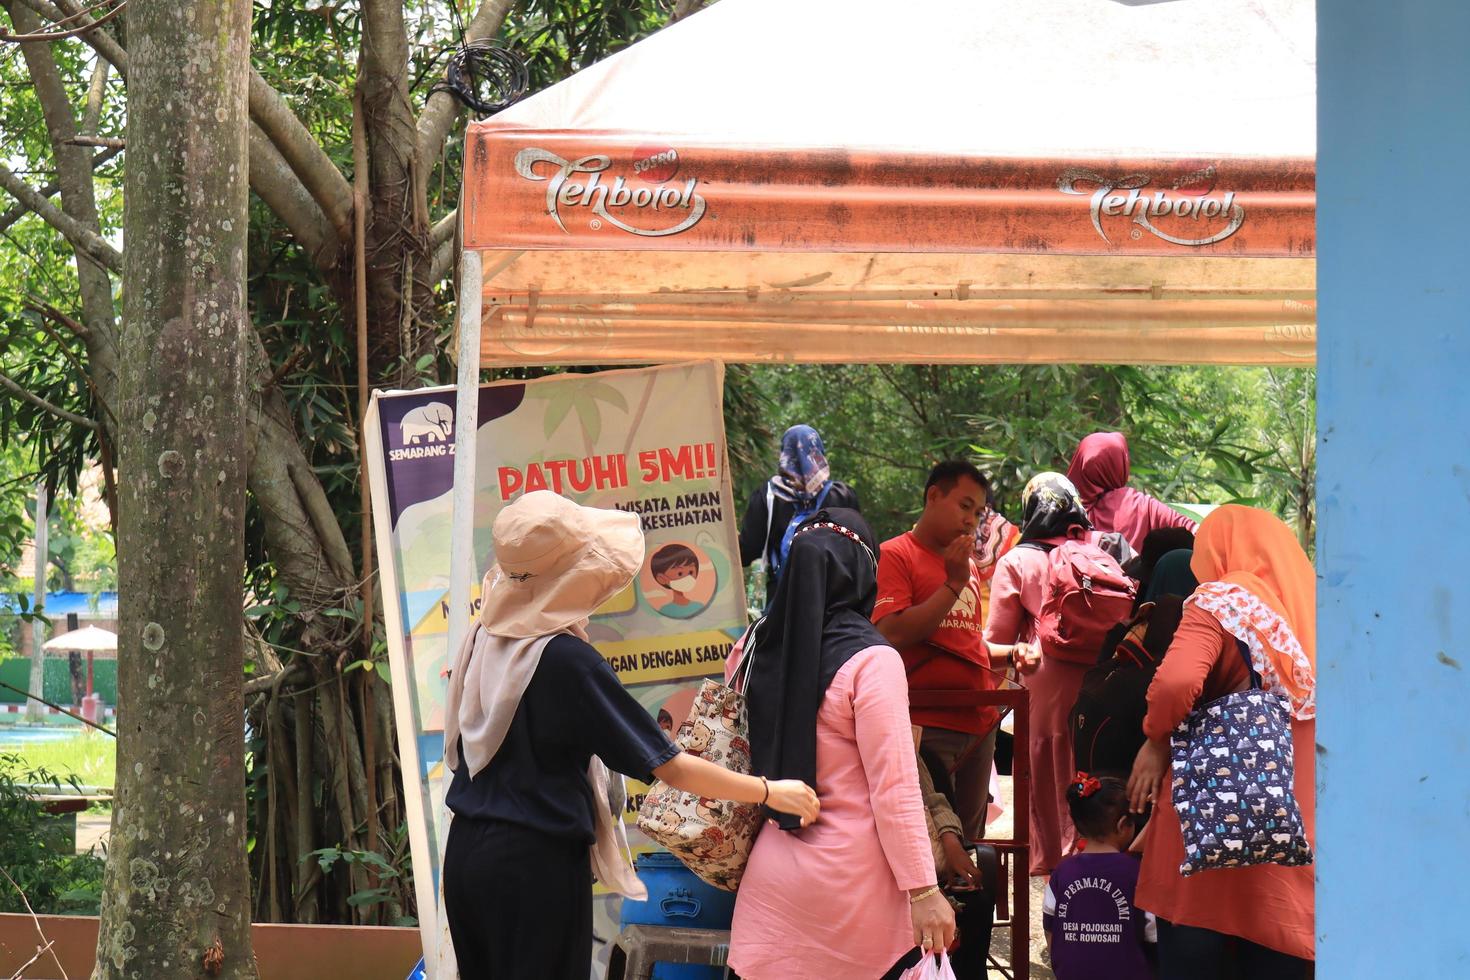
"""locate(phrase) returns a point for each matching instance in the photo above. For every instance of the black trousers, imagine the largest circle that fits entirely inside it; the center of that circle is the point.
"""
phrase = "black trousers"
(1191, 953)
(519, 902)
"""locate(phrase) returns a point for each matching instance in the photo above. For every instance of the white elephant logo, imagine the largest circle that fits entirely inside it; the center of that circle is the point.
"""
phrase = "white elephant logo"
(433, 422)
(966, 604)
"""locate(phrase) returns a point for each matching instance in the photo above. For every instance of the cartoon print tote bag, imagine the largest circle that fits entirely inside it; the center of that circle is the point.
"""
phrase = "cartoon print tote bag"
(1232, 783)
(712, 837)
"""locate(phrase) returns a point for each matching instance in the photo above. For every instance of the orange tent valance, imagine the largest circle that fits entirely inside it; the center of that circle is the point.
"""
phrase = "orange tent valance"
(1064, 180)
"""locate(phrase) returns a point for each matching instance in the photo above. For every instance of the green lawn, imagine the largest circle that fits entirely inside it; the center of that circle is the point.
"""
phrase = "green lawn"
(91, 757)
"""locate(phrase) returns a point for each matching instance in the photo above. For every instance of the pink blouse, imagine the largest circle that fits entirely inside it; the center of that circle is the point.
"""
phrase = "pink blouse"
(831, 900)
(1015, 596)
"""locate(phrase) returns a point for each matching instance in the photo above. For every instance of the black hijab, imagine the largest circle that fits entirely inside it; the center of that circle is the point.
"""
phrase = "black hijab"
(1172, 575)
(818, 620)
(1050, 507)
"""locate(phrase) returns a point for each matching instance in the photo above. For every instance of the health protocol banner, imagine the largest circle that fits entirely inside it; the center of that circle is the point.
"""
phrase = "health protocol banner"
(650, 441)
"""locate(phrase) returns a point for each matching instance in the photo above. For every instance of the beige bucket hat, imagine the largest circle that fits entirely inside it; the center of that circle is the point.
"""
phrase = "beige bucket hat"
(556, 562)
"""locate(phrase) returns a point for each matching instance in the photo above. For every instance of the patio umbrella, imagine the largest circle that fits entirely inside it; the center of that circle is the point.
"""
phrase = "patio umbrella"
(88, 640)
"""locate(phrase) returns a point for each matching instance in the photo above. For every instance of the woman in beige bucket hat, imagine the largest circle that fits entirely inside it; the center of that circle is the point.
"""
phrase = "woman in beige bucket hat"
(533, 714)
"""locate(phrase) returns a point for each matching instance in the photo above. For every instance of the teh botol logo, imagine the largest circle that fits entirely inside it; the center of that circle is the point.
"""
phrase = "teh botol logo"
(1216, 216)
(566, 188)
(425, 431)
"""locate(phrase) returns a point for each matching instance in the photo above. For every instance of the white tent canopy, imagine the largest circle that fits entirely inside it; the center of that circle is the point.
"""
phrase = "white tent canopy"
(88, 639)
(998, 78)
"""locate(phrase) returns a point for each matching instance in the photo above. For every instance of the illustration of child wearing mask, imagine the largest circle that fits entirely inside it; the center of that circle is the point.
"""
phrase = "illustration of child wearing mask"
(675, 567)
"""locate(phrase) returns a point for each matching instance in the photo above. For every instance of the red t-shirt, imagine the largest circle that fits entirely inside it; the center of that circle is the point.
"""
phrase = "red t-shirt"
(955, 657)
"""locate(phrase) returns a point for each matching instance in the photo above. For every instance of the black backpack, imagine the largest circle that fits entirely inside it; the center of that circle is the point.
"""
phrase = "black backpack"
(1107, 718)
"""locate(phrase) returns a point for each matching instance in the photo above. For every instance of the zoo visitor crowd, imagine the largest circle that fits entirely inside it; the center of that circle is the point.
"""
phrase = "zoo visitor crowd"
(1168, 668)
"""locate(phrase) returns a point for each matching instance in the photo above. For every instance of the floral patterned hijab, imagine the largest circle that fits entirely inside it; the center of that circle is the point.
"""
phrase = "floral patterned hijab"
(1258, 582)
(803, 470)
(994, 536)
(1050, 508)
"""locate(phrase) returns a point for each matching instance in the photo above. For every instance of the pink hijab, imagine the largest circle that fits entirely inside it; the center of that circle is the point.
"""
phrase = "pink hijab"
(1100, 472)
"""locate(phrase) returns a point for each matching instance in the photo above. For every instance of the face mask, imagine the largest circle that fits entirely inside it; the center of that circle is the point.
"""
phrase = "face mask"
(684, 584)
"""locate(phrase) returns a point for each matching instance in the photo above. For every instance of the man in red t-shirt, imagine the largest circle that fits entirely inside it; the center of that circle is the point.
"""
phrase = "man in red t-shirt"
(931, 607)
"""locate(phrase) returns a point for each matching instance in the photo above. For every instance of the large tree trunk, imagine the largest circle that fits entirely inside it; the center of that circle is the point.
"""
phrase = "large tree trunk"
(398, 250)
(176, 895)
(328, 733)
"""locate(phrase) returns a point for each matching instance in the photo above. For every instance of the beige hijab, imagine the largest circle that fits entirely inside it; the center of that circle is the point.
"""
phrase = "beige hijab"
(491, 674)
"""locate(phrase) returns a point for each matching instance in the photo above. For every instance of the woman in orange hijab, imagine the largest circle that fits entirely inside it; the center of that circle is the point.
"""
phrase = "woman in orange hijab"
(1257, 588)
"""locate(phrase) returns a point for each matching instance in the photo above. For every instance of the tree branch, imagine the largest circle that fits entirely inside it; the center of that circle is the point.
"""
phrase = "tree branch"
(444, 229)
(52, 313)
(272, 178)
(70, 11)
(75, 169)
(106, 142)
(442, 109)
(86, 25)
(48, 312)
(45, 406)
(85, 240)
(302, 536)
(96, 101)
(284, 368)
(683, 8)
(920, 416)
(262, 684)
(15, 213)
(302, 153)
(295, 145)
(443, 261)
(897, 464)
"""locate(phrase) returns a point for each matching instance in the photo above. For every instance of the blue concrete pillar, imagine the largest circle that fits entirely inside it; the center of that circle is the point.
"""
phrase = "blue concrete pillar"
(1393, 487)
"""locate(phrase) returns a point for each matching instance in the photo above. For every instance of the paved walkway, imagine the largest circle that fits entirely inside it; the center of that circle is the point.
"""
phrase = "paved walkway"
(1000, 941)
(92, 830)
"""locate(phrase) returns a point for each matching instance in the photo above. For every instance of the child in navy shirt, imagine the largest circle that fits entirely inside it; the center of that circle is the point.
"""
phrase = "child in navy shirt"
(1092, 927)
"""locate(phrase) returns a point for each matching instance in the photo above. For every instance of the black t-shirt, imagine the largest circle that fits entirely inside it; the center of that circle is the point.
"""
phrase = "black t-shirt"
(753, 541)
(573, 708)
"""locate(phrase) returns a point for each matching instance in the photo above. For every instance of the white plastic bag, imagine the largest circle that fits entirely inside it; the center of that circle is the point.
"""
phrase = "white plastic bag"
(930, 968)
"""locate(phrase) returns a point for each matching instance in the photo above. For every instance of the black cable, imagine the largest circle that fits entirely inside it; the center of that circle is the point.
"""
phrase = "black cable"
(485, 77)
(52, 704)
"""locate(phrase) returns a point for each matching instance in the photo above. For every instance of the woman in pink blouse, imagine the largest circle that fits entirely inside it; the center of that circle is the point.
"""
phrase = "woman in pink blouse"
(1051, 511)
(1100, 469)
(853, 895)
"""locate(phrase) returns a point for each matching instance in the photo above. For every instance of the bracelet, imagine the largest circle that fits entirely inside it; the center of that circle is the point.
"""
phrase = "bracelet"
(953, 589)
(915, 899)
(768, 791)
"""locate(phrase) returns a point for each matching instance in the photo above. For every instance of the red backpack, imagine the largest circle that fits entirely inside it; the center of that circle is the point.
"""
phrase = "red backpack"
(1086, 594)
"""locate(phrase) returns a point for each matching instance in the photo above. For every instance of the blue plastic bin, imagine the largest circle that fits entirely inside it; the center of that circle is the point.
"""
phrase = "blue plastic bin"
(676, 897)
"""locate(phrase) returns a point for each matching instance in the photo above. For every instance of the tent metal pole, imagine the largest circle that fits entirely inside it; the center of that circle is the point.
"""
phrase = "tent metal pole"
(466, 426)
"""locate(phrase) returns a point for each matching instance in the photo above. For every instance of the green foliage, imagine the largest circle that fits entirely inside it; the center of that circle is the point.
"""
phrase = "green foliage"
(47, 364)
(1197, 434)
(89, 758)
(82, 552)
(36, 352)
(15, 531)
(36, 274)
(396, 863)
(560, 37)
(36, 848)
